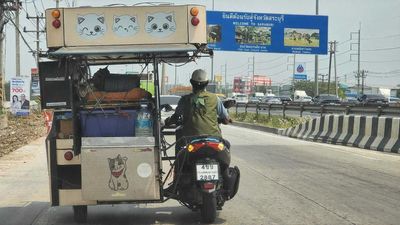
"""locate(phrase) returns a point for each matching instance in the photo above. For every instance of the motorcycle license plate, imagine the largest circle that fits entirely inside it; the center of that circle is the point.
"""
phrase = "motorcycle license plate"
(207, 172)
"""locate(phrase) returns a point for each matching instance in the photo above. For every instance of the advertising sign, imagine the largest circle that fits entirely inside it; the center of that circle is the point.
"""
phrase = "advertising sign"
(300, 77)
(261, 32)
(35, 86)
(20, 95)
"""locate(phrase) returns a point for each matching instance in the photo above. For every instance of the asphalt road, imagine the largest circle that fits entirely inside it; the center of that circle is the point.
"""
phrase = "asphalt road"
(284, 181)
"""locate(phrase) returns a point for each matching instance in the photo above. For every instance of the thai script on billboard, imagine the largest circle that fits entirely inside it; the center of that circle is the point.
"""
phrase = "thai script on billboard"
(20, 95)
(260, 32)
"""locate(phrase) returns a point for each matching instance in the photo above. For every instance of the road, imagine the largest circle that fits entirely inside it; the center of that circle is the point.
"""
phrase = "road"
(284, 181)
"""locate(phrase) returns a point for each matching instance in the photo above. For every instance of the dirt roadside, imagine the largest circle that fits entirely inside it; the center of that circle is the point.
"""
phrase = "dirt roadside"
(21, 131)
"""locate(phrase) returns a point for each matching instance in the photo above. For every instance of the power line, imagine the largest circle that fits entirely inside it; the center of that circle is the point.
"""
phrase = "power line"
(268, 61)
(380, 49)
(382, 37)
(22, 36)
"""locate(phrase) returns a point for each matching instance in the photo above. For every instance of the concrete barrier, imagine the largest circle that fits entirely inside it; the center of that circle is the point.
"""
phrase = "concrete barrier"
(368, 132)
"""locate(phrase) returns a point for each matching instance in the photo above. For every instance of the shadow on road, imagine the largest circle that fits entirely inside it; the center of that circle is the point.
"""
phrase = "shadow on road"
(40, 213)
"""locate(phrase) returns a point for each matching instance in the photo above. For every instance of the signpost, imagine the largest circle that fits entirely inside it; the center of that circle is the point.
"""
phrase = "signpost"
(261, 32)
(300, 71)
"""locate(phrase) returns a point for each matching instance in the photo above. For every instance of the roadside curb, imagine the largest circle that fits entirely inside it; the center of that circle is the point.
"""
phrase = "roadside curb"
(258, 127)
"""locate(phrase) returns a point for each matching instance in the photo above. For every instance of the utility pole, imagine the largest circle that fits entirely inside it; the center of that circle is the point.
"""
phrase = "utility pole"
(332, 51)
(2, 78)
(358, 55)
(316, 57)
(17, 46)
(5, 6)
(294, 71)
(163, 76)
(212, 57)
(323, 77)
(176, 75)
(226, 81)
(334, 61)
(363, 77)
(37, 31)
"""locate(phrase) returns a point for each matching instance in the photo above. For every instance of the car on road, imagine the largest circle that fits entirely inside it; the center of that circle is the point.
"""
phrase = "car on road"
(372, 99)
(254, 100)
(241, 98)
(272, 100)
(171, 100)
(351, 101)
(326, 99)
(285, 99)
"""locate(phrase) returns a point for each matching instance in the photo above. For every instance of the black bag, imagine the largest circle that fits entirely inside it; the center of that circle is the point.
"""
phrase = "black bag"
(231, 181)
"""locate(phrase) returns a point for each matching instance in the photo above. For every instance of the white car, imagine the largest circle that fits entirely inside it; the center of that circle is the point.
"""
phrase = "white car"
(171, 100)
(241, 98)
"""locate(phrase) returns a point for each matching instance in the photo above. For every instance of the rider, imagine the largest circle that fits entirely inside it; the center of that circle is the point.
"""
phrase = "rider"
(200, 110)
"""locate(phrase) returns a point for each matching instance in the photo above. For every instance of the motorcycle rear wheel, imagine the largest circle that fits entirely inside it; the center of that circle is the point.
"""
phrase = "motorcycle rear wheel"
(209, 208)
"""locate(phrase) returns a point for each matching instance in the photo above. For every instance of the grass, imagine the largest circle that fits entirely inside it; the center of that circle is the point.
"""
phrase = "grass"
(274, 121)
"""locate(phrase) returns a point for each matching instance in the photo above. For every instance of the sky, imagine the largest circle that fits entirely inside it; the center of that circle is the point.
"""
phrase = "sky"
(378, 21)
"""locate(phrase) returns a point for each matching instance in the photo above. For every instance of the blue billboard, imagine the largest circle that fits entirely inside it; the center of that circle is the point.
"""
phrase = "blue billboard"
(261, 32)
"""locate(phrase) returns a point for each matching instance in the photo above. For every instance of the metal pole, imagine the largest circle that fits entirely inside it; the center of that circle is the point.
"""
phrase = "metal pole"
(176, 77)
(316, 59)
(57, 3)
(254, 85)
(163, 73)
(334, 61)
(226, 82)
(294, 71)
(358, 66)
(212, 57)
(37, 42)
(2, 77)
(17, 47)
(330, 63)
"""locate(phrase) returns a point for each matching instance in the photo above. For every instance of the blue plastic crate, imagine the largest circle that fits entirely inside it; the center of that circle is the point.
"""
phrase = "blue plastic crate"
(108, 123)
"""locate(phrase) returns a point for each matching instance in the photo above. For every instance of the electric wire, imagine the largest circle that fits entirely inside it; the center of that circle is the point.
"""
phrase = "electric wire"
(22, 36)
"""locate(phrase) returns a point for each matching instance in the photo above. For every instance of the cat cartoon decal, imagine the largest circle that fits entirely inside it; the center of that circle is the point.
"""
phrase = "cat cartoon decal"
(125, 25)
(160, 25)
(91, 26)
(118, 180)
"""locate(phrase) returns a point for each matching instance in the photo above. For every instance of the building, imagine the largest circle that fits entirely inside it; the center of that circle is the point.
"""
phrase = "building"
(249, 85)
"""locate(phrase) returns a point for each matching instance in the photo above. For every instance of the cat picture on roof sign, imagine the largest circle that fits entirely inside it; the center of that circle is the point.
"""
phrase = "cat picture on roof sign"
(160, 24)
(91, 26)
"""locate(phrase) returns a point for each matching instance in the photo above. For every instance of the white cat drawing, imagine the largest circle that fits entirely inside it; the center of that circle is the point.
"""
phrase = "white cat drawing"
(91, 26)
(160, 25)
(125, 26)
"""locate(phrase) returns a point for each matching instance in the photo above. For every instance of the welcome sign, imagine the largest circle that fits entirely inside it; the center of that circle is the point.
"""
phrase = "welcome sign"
(261, 32)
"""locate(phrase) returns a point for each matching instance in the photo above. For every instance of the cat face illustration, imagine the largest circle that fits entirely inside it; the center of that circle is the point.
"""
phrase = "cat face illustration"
(160, 25)
(117, 165)
(125, 26)
(91, 26)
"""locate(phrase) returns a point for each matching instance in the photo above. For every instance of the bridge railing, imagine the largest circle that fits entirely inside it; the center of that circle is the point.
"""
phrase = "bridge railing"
(347, 109)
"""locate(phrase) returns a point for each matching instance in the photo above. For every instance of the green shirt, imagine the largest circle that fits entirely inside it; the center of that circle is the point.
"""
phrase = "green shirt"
(200, 116)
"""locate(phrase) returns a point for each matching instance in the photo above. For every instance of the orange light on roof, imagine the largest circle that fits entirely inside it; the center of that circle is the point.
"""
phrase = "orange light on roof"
(194, 11)
(56, 13)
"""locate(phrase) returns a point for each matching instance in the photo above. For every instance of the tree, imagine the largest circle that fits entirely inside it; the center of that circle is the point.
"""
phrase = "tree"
(308, 87)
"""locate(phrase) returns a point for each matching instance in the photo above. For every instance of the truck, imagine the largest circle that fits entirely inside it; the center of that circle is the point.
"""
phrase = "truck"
(105, 144)
(301, 96)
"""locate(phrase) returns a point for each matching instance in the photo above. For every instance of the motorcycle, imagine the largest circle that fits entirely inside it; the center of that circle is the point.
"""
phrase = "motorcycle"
(203, 179)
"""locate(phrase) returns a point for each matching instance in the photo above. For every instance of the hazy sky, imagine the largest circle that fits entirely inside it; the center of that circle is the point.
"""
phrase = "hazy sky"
(380, 39)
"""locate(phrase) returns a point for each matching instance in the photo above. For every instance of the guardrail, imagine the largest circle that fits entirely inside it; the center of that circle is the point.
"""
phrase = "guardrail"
(377, 110)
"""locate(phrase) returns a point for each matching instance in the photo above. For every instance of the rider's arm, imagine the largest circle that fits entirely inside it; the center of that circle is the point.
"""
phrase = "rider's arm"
(222, 112)
(178, 113)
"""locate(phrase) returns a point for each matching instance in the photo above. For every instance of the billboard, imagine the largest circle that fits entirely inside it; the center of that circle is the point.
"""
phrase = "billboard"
(20, 95)
(261, 32)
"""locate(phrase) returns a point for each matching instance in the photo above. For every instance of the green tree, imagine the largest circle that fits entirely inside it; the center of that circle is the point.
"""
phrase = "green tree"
(308, 87)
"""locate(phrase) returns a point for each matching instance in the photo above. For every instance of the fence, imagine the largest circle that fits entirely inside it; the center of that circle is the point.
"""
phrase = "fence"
(377, 110)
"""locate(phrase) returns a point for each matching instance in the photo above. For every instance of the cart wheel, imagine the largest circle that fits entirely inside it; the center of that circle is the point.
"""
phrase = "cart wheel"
(80, 213)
